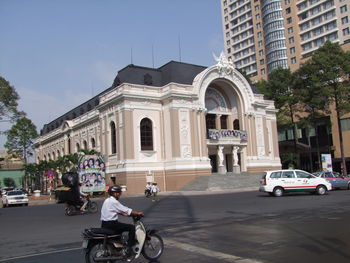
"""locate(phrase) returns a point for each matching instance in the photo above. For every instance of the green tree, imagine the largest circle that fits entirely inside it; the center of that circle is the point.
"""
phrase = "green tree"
(280, 88)
(20, 138)
(330, 72)
(9, 182)
(8, 102)
(313, 102)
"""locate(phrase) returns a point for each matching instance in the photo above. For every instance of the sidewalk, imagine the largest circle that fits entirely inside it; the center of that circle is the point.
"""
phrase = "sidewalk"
(205, 185)
(41, 200)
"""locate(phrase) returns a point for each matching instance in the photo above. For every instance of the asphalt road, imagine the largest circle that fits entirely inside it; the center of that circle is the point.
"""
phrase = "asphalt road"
(247, 227)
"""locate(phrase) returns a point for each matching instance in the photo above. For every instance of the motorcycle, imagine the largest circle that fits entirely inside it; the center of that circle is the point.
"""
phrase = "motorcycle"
(104, 245)
(73, 208)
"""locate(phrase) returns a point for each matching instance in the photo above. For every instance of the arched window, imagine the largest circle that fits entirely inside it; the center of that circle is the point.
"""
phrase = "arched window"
(113, 138)
(236, 124)
(93, 143)
(48, 157)
(78, 147)
(53, 156)
(85, 145)
(58, 153)
(146, 134)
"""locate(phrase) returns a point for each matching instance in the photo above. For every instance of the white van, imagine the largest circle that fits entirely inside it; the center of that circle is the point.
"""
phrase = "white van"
(283, 181)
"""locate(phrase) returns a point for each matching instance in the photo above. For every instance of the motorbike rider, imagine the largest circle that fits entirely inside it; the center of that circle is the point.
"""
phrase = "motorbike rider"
(83, 198)
(109, 215)
(148, 189)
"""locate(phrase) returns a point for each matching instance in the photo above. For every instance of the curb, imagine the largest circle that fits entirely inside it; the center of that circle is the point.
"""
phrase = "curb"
(35, 202)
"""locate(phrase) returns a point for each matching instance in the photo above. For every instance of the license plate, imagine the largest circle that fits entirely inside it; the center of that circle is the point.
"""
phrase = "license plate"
(85, 243)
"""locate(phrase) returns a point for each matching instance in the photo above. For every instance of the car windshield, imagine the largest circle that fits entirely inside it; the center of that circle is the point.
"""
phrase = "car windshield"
(15, 193)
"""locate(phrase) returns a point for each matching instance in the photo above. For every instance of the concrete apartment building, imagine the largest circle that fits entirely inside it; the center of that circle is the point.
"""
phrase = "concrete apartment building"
(261, 35)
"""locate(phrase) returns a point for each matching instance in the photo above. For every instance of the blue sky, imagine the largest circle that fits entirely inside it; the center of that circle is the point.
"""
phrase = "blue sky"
(58, 54)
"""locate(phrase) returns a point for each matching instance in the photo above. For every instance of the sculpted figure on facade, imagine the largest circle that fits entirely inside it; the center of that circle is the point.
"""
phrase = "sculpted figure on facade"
(235, 155)
(221, 155)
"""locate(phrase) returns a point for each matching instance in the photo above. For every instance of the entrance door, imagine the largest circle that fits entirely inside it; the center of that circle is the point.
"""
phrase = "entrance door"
(229, 163)
(213, 163)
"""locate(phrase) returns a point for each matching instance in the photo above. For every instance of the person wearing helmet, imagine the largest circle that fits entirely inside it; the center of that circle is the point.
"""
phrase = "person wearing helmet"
(110, 210)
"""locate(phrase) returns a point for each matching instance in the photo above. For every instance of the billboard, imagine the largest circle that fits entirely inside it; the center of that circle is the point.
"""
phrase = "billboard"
(326, 162)
(91, 170)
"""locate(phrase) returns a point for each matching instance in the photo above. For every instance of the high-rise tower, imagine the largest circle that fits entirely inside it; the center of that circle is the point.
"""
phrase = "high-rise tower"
(261, 35)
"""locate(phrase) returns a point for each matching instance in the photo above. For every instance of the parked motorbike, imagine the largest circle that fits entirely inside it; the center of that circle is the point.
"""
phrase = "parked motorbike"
(104, 245)
(74, 208)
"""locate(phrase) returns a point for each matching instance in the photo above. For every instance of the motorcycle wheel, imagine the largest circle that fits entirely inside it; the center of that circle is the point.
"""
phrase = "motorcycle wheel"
(97, 251)
(153, 247)
(92, 208)
(70, 210)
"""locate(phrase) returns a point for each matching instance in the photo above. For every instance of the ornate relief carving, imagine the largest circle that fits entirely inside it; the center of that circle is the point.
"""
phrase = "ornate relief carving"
(186, 151)
(224, 65)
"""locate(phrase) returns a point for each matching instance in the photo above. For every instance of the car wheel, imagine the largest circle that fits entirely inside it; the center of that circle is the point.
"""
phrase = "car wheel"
(321, 190)
(278, 191)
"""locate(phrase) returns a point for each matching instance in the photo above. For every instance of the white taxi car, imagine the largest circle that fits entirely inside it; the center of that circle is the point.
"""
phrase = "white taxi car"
(283, 181)
(15, 197)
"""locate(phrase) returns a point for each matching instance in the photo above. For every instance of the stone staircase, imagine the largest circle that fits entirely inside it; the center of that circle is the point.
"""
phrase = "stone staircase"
(224, 182)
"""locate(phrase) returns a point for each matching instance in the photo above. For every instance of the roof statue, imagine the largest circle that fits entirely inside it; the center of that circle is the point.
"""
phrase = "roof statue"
(224, 64)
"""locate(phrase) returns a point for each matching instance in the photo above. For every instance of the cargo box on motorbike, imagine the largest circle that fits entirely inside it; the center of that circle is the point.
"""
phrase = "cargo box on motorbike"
(70, 179)
(65, 194)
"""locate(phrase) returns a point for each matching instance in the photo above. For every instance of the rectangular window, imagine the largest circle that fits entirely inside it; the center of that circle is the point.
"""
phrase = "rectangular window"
(291, 40)
(344, 20)
(289, 20)
(345, 124)
(262, 62)
(288, 10)
(293, 60)
(292, 50)
(343, 9)
(210, 121)
(290, 30)
(223, 121)
(262, 71)
(346, 31)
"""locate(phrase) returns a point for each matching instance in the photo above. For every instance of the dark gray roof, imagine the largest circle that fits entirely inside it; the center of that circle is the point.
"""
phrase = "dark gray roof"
(178, 72)
(173, 71)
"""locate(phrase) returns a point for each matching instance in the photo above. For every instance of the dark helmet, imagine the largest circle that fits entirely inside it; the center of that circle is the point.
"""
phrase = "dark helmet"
(114, 189)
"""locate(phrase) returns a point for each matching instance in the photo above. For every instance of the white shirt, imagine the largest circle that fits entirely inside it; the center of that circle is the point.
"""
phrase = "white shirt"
(111, 208)
(148, 186)
(155, 189)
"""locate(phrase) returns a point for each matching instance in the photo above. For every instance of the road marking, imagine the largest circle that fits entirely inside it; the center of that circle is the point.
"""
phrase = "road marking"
(40, 254)
(209, 253)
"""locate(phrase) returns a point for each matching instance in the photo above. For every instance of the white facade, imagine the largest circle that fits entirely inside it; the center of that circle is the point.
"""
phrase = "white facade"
(179, 115)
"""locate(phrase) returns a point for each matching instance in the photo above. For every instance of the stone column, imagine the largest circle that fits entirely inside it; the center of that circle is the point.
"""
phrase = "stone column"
(236, 167)
(218, 121)
(222, 167)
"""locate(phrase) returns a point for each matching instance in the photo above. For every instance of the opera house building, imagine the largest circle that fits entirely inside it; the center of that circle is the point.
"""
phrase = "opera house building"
(170, 125)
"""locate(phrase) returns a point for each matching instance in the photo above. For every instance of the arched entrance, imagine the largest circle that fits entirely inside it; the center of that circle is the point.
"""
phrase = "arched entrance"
(223, 111)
